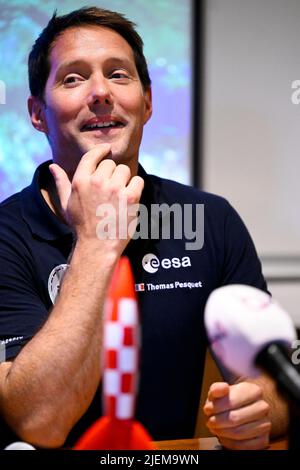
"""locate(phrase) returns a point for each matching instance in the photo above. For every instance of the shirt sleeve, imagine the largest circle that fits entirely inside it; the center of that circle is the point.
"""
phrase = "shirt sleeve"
(22, 311)
(241, 262)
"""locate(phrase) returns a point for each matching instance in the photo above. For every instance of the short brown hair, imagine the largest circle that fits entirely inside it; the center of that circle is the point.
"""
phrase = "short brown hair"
(38, 62)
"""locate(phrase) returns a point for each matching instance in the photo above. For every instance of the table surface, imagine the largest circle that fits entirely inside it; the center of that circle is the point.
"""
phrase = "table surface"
(209, 443)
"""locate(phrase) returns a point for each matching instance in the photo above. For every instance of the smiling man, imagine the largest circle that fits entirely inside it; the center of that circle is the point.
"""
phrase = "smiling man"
(91, 97)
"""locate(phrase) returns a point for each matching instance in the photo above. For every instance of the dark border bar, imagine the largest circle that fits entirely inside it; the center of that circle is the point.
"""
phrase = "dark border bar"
(198, 47)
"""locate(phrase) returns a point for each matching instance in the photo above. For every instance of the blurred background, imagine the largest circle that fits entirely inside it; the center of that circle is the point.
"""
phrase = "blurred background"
(224, 117)
(251, 128)
(165, 27)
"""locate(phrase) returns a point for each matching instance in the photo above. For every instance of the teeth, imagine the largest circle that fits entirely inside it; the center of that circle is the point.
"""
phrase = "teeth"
(100, 125)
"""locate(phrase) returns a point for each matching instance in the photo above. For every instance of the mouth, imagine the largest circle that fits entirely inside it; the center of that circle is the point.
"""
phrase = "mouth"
(102, 126)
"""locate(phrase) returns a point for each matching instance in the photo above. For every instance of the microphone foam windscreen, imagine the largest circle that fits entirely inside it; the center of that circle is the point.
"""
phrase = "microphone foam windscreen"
(240, 321)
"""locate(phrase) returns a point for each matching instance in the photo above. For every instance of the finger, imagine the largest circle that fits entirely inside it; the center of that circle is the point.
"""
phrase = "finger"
(121, 176)
(62, 183)
(231, 418)
(134, 189)
(240, 395)
(240, 433)
(258, 443)
(218, 390)
(245, 431)
(90, 160)
(104, 170)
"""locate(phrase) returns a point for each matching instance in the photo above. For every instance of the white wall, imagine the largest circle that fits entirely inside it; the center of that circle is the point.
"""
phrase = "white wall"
(252, 128)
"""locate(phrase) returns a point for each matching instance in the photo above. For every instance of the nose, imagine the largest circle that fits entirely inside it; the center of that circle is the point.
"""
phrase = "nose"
(100, 92)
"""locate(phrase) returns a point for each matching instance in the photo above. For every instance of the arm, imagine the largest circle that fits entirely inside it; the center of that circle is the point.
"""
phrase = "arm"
(52, 381)
(245, 415)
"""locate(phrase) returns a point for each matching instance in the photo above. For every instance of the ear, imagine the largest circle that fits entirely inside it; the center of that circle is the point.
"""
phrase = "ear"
(36, 109)
(148, 104)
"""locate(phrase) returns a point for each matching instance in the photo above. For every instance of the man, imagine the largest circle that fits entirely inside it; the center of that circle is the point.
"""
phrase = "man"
(91, 96)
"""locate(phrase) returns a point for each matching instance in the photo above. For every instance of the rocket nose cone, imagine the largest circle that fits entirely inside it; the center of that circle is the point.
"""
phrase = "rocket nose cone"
(122, 282)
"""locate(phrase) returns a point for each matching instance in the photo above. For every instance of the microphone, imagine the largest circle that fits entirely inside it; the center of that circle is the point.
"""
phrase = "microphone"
(248, 330)
(19, 446)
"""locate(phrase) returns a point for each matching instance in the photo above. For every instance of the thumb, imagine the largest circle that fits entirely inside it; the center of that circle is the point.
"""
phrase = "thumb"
(218, 390)
(63, 184)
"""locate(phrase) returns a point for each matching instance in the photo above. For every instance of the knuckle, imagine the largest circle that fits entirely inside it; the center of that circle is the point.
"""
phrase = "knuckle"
(132, 198)
(229, 444)
(214, 432)
(124, 169)
(236, 433)
(261, 442)
(139, 181)
(132, 194)
(107, 164)
(77, 183)
(96, 182)
(208, 408)
(265, 407)
(258, 391)
(266, 427)
(209, 425)
(86, 156)
(114, 189)
(233, 417)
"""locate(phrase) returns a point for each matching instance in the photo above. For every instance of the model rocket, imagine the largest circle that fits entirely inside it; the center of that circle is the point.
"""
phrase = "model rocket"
(117, 429)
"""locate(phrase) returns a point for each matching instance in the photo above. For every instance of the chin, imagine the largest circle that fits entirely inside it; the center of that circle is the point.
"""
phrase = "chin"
(117, 157)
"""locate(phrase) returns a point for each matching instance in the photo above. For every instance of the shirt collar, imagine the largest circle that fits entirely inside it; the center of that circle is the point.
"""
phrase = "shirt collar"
(36, 212)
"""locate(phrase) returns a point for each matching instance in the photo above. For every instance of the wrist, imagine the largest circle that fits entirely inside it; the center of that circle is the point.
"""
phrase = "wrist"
(94, 255)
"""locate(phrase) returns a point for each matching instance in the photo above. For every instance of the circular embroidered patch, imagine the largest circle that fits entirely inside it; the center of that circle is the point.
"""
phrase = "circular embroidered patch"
(55, 280)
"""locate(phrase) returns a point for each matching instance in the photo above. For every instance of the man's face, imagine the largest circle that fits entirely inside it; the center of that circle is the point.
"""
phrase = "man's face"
(93, 94)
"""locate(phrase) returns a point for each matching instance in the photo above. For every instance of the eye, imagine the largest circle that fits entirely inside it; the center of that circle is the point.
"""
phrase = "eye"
(72, 79)
(120, 75)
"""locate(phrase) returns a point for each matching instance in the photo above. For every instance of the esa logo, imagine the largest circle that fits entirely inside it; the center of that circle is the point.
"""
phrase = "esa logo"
(151, 263)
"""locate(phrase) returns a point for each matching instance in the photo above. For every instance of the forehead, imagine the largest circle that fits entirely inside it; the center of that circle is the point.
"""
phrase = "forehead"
(89, 42)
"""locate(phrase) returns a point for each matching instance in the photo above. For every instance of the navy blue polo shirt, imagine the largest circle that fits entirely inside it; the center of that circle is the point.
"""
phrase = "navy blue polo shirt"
(173, 284)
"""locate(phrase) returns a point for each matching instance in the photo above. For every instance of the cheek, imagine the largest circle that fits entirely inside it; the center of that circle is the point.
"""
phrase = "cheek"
(61, 115)
(133, 103)
(64, 106)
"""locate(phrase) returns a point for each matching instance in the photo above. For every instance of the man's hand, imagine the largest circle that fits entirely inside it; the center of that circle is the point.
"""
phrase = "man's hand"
(238, 415)
(97, 181)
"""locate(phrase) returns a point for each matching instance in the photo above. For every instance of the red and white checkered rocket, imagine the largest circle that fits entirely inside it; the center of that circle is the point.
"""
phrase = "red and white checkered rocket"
(118, 429)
